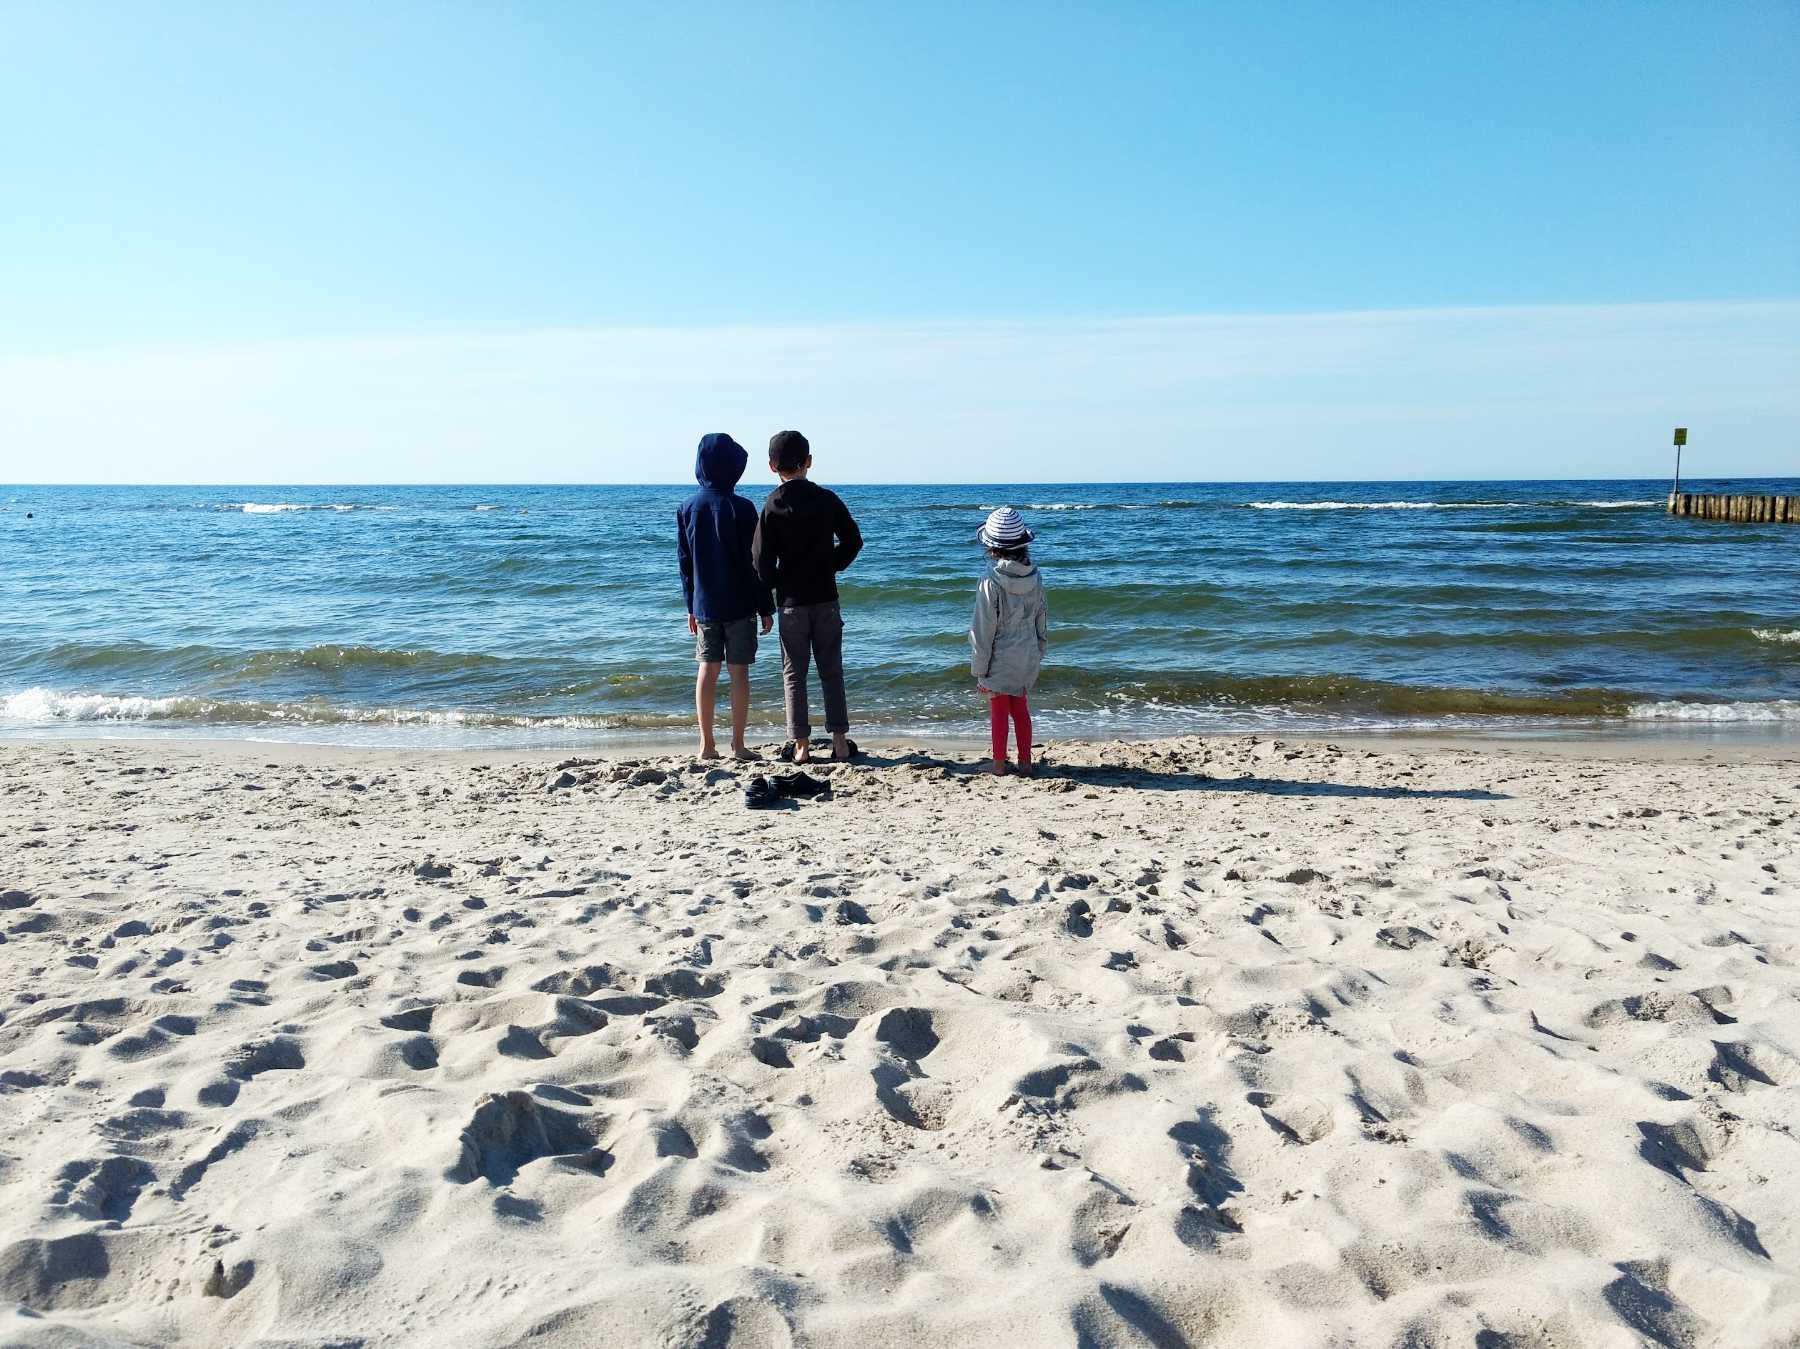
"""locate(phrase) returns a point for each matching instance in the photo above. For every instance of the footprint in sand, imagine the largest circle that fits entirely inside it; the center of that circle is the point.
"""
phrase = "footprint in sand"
(512, 1129)
(1739, 1065)
(1295, 1119)
(280, 1054)
(102, 1191)
(582, 982)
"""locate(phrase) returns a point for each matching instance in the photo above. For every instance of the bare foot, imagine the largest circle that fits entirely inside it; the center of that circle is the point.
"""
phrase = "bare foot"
(803, 751)
(743, 754)
(840, 749)
(707, 752)
(1027, 768)
(999, 768)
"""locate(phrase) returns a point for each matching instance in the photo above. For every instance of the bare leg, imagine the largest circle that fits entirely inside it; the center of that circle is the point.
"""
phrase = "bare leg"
(740, 709)
(706, 695)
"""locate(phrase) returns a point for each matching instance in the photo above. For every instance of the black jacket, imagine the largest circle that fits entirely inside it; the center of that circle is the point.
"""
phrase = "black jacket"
(803, 540)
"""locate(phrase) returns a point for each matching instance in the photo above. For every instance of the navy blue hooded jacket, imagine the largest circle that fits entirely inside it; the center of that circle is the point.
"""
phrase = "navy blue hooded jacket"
(714, 529)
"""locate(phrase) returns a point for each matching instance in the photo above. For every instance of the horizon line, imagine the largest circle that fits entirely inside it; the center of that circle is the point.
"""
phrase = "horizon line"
(947, 482)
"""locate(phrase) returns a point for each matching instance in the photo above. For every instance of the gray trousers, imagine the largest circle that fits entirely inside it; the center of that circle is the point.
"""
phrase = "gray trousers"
(813, 633)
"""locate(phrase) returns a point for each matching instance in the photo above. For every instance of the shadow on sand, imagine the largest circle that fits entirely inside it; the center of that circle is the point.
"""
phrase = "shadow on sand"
(1154, 780)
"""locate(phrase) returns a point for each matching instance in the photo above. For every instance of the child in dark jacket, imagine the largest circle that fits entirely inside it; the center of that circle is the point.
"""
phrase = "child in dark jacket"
(805, 538)
(713, 532)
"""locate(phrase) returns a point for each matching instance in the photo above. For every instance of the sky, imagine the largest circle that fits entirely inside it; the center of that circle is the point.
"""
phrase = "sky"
(558, 242)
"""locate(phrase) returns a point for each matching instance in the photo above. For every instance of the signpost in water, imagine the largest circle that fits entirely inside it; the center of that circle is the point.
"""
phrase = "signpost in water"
(1741, 507)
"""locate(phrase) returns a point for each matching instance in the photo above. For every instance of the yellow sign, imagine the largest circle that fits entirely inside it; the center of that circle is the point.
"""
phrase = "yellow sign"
(1681, 435)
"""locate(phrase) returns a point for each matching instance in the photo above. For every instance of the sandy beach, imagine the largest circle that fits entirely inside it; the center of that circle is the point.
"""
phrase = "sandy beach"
(1221, 1041)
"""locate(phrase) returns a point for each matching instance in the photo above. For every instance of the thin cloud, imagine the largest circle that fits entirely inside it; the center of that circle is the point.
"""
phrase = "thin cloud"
(1502, 392)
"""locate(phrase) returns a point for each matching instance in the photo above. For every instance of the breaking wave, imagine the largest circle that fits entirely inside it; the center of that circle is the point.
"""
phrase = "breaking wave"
(46, 707)
(1775, 709)
(284, 507)
(929, 698)
(1446, 505)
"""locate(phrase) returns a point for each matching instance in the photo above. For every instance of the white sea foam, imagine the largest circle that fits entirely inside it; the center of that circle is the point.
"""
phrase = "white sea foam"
(1346, 505)
(42, 705)
(1776, 709)
(1439, 505)
(1093, 505)
(1058, 506)
(1776, 634)
(282, 507)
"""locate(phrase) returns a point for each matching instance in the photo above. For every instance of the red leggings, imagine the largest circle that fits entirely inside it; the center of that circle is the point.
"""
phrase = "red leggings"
(1000, 706)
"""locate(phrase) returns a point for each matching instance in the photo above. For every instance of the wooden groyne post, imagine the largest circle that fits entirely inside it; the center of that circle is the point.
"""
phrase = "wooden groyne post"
(1743, 508)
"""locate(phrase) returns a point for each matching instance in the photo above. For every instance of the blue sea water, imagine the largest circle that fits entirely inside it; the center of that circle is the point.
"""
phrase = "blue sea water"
(553, 615)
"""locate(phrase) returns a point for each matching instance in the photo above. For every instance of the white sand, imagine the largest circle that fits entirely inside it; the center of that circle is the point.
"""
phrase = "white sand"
(1227, 1043)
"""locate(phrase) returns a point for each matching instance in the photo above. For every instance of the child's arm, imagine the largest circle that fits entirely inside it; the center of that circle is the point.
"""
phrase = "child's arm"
(1043, 626)
(849, 538)
(765, 549)
(765, 604)
(981, 631)
(686, 555)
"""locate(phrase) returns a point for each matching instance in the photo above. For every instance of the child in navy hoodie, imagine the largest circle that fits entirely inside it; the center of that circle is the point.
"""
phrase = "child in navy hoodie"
(714, 529)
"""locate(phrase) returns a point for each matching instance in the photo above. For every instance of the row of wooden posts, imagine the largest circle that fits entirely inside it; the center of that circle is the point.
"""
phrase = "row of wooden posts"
(1746, 509)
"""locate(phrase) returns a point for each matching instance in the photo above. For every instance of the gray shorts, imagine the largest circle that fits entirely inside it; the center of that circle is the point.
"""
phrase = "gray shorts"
(733, 642)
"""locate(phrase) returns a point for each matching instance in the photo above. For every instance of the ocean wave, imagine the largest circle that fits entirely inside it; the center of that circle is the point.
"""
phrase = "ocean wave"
(1056, 506)
(41, 706)
(334, 658)
(1108, 506)
(1776, 634)
(283, 507)
(1344, 505)
(1774, 709)
(1441, 505)
(979, 507)
(1217, 701)
(183, 665)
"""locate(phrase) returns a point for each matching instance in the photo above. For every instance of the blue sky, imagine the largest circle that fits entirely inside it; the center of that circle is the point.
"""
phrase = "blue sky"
(277, 187)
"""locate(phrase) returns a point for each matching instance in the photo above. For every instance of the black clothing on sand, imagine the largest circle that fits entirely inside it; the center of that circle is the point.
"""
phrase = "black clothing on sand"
(804, 538)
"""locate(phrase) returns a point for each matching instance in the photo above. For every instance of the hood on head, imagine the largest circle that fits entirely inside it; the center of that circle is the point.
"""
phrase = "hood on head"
(720, 461)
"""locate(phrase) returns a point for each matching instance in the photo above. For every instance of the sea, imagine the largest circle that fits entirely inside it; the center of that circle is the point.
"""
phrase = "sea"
(552, 616)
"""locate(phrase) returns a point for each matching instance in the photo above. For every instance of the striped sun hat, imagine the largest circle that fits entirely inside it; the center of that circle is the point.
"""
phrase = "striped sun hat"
(1004, 529)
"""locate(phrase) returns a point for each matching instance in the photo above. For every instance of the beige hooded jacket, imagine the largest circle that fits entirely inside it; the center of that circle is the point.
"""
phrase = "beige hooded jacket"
(1010, 631)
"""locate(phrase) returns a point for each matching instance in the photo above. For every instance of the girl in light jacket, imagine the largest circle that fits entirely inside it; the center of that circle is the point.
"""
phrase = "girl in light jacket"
(1009, 633)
